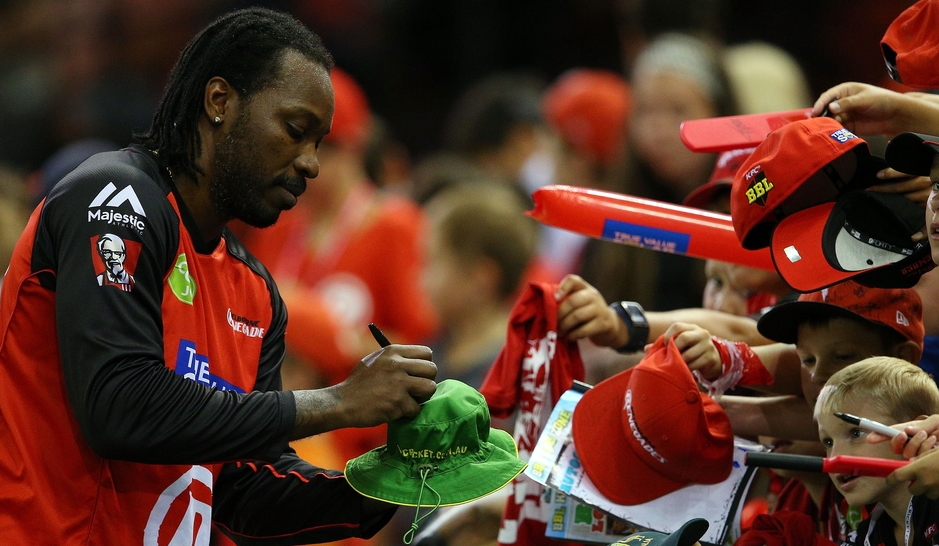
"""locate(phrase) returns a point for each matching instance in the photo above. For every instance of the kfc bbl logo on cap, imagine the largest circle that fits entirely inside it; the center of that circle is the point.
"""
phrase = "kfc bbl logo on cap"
(759, 187)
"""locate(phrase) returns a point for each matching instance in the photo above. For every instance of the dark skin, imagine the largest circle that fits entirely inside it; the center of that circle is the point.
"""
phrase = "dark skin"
(256, 162)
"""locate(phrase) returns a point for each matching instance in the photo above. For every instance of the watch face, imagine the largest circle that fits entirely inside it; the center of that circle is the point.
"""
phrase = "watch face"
(637, 316)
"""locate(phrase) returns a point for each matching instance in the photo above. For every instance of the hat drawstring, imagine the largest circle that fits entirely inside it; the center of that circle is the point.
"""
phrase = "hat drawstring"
(425, 471)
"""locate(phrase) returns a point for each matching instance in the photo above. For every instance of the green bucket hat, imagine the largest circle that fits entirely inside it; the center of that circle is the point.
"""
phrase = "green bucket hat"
(448, 449)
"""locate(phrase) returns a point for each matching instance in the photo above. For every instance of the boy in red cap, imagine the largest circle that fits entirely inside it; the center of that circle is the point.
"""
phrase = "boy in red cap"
(831, 329)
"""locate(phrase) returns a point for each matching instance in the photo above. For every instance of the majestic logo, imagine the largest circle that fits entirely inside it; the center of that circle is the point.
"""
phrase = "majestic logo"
(115, 260)
(181, 282)
(758, 189)
(192, 365)
(192, 490)
(242, 325)
(110, 198)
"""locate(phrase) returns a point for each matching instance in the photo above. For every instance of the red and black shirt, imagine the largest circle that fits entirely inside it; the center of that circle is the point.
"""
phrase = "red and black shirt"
(140, 379)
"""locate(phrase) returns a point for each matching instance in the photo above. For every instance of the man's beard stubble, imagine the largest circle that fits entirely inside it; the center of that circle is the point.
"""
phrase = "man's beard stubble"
(238, 187)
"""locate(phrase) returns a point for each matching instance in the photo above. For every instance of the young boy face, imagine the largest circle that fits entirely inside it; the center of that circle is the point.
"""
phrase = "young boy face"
(831, 346)
(841, 438)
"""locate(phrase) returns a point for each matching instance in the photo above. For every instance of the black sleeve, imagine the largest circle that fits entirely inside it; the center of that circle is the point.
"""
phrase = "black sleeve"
(289, 502)
(127, 403)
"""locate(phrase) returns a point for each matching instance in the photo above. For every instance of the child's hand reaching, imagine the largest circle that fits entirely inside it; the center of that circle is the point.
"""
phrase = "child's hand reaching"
(697, 349)
(583, 313)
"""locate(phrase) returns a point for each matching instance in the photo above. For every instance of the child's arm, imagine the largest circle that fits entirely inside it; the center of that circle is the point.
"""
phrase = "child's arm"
(782, 362)
(775, 416)
(584, 313)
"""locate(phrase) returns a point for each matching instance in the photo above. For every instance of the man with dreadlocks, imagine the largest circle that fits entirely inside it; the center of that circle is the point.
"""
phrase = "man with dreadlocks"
(148, 412)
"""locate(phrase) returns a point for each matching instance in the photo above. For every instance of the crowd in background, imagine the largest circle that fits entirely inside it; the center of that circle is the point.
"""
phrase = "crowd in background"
(449, 115)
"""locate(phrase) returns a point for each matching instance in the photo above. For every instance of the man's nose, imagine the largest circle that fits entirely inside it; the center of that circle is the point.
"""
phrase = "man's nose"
(307, 162)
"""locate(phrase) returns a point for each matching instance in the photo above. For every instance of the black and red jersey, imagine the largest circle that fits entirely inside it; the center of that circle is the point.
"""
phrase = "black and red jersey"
(140, 378)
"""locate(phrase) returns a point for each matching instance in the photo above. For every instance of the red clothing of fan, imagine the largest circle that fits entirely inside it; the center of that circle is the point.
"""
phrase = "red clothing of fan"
(530, 374)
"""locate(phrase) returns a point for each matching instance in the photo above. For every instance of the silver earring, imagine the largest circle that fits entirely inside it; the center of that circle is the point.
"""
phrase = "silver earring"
(218, 119)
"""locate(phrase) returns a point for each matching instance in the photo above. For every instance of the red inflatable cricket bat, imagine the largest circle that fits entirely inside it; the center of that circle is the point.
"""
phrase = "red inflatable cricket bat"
(733, 132)
(646, 223)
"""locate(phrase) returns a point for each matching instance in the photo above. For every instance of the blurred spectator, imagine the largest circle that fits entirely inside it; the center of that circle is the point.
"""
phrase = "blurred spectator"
(481, 244)
(497, 124)
(765, 78)
(641, 21)
(438, 171)
(387, 161)
(77, 69)
(676, 78)
(589, 111)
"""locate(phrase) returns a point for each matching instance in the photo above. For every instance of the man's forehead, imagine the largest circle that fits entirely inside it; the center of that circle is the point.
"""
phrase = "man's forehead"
(302, 77)
(303, 87)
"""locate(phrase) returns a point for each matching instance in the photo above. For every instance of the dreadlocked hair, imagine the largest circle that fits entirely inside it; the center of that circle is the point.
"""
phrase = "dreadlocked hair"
(243, 47)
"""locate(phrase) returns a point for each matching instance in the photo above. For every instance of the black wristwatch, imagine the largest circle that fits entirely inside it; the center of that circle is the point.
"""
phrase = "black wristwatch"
(634, 317)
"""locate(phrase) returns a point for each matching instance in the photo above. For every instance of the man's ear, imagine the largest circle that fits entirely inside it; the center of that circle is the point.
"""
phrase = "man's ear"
(909, 351)
(218, 99)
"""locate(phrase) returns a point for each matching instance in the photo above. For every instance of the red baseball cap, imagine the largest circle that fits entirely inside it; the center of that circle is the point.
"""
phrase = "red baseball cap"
(590, 108)
(865, 235)
(721, 178)
(911, 45)
(801, 164)
(670, 434)
(352, 118)
(898, 308)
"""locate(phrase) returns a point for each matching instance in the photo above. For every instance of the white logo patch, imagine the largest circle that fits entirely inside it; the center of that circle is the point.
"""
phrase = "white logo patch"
(117, 198)
(124, 196)
(901, 319)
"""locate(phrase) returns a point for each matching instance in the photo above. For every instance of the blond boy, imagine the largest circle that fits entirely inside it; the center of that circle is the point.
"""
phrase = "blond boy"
(888, 390)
